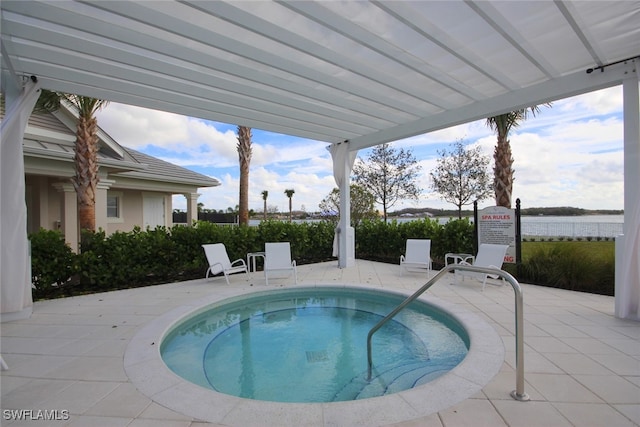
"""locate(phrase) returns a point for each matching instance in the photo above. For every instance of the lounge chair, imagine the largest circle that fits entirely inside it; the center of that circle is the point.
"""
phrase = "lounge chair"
(219, 262)
(277, 259)
(417, 255)
(489, 256)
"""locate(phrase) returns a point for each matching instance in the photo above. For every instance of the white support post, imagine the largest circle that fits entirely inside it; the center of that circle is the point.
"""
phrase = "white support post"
(344, 257)
(627, 275)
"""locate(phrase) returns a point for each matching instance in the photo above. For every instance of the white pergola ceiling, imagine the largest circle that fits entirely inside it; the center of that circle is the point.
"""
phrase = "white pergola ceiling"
(364, 71)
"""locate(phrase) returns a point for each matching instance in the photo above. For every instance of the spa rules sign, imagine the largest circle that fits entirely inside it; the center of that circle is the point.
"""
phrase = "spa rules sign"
(497, 225)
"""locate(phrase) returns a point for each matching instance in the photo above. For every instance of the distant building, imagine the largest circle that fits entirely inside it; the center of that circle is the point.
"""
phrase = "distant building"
(134, 189)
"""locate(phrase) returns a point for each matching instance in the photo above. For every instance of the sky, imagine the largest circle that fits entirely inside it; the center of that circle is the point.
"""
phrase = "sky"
(570, 154)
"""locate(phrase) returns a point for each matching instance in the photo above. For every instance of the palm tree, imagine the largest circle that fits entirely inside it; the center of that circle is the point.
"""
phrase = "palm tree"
(86, 149)
(502, 156)
(265, 194)
(244, 156)
(289, 194)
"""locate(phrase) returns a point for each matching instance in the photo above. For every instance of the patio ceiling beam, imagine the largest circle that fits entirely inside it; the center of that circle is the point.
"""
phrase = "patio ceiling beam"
(582, 31)
(563, 87)
(376, 80)
(430, 31)
(171, 21)
(112, 61)
(509, 32)
(341, 25)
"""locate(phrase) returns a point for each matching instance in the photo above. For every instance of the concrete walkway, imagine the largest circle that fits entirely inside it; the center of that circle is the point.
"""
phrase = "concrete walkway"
(582, 364)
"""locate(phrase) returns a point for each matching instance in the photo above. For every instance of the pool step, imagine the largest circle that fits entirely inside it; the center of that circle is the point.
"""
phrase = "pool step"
(387, 380)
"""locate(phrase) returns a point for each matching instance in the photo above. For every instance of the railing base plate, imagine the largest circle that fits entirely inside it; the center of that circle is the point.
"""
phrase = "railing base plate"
(524, 397)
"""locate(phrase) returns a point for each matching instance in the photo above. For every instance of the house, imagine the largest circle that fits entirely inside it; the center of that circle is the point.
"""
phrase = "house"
(135, 189)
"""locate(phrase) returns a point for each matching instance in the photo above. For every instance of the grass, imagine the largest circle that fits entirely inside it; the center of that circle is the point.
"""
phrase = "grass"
(586, 266)
(602, 249)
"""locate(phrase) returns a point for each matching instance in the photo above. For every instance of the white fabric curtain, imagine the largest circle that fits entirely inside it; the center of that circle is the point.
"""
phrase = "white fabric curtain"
(340, 154)
(15, 263)
(627, 291)
(343, 160)
(628, 285)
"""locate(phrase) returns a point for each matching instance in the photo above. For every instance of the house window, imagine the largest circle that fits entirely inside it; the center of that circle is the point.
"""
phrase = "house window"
(114, 206)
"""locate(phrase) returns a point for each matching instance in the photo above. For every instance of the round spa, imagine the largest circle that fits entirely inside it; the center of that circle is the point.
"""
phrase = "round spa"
(309, 345)
(313, 337)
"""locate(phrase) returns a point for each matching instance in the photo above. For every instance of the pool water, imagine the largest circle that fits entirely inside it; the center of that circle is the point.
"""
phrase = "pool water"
(309, 345)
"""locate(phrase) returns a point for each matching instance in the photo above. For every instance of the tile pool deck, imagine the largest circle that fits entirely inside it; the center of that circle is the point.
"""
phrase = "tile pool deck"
(582, 365)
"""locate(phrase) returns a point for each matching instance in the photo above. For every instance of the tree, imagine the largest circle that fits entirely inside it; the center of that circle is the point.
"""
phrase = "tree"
(244, 156)
(502, 156)
(461, 177)
(86, 149)
(390, 175)
(361, 204)
(289, 194)
(265, 194)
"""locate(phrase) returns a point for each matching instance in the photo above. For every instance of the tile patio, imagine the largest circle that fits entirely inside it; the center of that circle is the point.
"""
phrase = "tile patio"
(582, 365)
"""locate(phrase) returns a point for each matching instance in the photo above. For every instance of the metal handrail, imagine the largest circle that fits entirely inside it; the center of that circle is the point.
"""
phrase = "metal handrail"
(518, 393)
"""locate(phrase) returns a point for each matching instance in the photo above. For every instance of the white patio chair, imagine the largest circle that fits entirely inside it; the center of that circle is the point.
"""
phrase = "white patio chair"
(489, 256)
(219, 262)
(277, 259)
(417, 255)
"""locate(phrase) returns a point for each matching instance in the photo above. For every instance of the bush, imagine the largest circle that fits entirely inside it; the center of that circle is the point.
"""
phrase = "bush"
(53, 263)
(161, 255)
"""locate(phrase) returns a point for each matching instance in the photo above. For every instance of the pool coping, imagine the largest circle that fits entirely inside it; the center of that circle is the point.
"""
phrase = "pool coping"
(146, 370)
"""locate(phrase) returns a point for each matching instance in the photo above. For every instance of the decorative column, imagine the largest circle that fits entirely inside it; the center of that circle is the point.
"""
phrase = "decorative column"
(42, 185)
(103, 186)
(192, 207)
(69, 214)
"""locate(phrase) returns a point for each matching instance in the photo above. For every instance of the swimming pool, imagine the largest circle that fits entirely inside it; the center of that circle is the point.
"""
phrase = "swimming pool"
(309, 345)
(147, 371)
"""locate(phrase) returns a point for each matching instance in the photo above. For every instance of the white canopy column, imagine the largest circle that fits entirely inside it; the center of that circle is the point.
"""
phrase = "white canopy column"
(15, 262)
(627, 288)
(343, 160)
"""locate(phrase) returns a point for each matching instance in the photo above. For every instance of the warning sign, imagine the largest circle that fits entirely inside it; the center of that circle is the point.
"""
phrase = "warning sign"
(497, 225)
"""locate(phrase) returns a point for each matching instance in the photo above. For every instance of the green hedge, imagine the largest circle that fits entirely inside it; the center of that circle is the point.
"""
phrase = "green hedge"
(385, 242)
(161, 255)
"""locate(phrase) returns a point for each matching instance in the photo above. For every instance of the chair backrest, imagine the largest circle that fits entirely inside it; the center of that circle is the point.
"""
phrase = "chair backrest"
(217, 252)
(490, 255)
(418, 250)
(277, 255)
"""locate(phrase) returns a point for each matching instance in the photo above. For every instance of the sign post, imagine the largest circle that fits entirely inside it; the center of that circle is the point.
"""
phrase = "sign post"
(497, 225)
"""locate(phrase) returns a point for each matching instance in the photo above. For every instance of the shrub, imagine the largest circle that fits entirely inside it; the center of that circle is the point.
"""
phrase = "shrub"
(53, 263)
(161, 255)
(456, 236)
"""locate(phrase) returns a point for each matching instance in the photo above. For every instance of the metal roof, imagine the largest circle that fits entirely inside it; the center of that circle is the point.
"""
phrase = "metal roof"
(364, 71)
